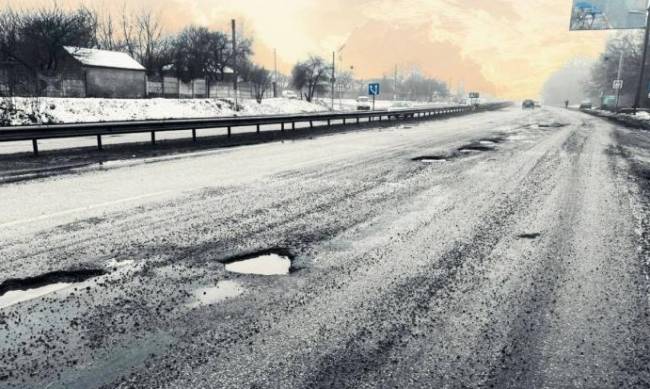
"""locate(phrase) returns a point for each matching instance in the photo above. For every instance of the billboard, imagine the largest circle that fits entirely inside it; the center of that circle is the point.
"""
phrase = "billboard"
(608, 14)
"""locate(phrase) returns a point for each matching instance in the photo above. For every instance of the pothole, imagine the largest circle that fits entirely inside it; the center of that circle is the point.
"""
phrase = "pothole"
(215, 294)
(266, 263)
(552, 125)
(532, 235)
(16, 290)
(475, 147)
(430, 159)
(492, 140)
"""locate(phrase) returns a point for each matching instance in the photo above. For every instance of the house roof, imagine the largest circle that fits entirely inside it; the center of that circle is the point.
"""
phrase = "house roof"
(103, 58)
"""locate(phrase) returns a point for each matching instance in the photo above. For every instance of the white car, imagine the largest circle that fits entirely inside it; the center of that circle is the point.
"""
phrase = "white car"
(363, 103)
(289, 94)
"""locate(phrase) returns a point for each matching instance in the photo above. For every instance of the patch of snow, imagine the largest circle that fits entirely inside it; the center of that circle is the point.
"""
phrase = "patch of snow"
(103, 58)
(51, 110)
(642, 115)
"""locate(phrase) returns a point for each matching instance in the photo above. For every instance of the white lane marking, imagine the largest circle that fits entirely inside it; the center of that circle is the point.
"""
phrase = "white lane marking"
(81, 209)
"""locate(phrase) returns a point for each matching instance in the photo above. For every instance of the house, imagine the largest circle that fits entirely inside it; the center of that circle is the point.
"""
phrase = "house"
(103, 73)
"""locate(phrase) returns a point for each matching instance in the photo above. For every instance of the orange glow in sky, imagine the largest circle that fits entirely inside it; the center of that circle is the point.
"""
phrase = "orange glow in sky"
(502, 47)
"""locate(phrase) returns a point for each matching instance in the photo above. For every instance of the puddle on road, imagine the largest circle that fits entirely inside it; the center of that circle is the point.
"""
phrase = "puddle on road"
(18, 296)
(215, 294)
(18, 290)
(266, 263)
(487, 142)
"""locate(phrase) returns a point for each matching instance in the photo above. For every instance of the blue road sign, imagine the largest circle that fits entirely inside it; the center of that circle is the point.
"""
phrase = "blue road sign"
(373, 89)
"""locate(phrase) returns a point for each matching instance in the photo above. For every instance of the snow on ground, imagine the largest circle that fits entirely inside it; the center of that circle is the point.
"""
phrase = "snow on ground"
(71, 110)
(351, 104)
(641, 115)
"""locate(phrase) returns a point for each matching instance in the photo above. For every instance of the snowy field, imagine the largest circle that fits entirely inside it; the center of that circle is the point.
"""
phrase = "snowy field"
(68, 110)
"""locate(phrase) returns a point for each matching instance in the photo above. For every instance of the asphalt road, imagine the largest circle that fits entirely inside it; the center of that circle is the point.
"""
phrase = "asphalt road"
(515, 256)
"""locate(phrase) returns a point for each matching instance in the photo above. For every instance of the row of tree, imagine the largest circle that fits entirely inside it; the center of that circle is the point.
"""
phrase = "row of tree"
(585, 78)
(313, 77)
(604, 71)
(32, 39)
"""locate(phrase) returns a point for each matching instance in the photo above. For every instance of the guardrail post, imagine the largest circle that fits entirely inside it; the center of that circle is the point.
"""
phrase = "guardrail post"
(99, 142)
(35, 147)
(153, 137)
(257, 128)
(358, 120)
(311, 124)
(329, 122)
(194, 135)
(293, 125)
(230, 131)
(344, 121)
(282, 126)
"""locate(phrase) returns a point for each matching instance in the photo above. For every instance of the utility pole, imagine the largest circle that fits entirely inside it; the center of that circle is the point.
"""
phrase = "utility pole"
(275, 73)
(637, 99)
(618, 77)
(395, 86)
(234, 63)
(333, 80)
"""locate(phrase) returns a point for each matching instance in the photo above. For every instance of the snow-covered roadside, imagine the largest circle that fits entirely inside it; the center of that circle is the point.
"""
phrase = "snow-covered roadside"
(351, 104)
(68, 110)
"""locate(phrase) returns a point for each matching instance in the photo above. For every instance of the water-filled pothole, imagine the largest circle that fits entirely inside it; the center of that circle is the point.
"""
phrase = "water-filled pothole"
(430, 159)
(266, 263)
(16, 290)
(215, 294)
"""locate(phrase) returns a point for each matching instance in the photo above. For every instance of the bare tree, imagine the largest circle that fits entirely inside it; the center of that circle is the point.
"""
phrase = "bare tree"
(31, 41)
(260, 78)
(605, 70)
(149, 39)
(310, 76)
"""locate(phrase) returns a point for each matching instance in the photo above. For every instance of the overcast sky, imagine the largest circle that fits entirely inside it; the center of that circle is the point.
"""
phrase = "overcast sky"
(504, 47)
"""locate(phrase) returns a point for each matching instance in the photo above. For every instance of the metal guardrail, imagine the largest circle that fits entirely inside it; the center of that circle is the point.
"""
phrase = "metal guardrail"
(36, 132)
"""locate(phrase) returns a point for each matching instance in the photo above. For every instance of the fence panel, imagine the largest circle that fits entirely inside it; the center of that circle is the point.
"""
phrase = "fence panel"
(73, 88)
(170, 87)
(154, 89)
(185, 89)
(199, 87)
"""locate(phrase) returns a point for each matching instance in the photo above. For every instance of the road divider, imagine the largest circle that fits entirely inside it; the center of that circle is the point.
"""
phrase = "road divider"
(34, 133)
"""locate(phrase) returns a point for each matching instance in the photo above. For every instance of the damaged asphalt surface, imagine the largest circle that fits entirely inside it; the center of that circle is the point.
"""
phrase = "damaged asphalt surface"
(504, 249)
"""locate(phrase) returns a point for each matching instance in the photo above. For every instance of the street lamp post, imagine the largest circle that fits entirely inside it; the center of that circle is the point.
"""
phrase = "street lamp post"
(619, 74)
(637, 98)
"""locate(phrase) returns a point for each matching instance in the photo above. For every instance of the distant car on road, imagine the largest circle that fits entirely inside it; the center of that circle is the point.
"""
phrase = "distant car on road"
(528, 104)
(363, 103)
(289, 94)
(586, 104)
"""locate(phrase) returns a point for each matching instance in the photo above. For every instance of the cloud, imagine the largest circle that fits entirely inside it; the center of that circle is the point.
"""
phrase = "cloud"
(506, 46)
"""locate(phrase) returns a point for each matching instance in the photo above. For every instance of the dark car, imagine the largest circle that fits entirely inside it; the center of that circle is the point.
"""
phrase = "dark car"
(528, 104)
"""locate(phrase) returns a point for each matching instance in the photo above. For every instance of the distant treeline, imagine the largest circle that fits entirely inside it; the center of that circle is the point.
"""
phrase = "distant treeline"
(31, 42)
